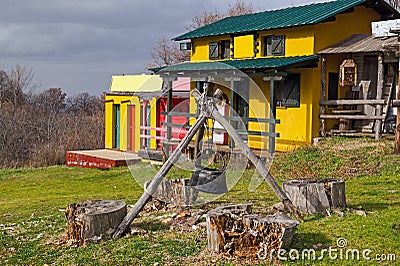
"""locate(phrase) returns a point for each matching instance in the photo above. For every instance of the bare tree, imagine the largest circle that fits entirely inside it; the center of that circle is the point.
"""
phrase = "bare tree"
(204, 18)
(20, 85)
(239, 8)
(84, 103)
(36, 129)
(166, 52)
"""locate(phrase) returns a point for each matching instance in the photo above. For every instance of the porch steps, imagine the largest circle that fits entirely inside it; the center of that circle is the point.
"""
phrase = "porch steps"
(103, 158)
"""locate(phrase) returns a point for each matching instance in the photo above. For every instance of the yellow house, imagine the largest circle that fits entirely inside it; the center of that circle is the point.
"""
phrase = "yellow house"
(268, 65)
(130, 101)
(134, 112)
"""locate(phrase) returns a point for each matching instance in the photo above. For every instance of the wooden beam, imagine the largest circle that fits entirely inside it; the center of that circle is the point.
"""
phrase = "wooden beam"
(397, 134)
(352, 102)
(169, 109)
(272, 112)
(355, 117)
(396, 103)
(379, 90)
(322, 130)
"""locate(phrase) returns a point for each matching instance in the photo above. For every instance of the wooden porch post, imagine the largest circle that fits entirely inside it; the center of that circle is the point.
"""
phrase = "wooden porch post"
(165, 146)
(231, 141)
(322, 130)
(397, 136)
(272, 115)
(379, 89)
(169, 109)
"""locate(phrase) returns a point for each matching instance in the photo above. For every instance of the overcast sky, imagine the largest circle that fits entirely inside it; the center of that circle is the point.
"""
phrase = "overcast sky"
(77, 45)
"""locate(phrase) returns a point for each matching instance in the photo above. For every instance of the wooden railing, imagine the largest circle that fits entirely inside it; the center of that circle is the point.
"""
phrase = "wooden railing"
(236, 119)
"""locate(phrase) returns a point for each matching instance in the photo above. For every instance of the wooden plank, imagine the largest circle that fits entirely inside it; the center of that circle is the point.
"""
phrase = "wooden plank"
(355, 117)
(387, 94)
(351, 134)
(379, 91)
(346, 112)
(397, 134)
(353, 102)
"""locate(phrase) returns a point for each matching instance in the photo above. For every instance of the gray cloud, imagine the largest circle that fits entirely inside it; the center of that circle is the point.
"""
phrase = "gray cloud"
(77, 45)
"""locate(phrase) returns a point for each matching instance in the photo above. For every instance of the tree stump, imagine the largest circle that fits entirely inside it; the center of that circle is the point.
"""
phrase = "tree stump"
(316, 195)
(93, 221)
(234, 230)
(172, 191)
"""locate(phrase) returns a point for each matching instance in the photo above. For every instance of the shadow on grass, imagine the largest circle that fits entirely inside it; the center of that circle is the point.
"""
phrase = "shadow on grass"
(152, 226)
(310, 240)
(313, 217)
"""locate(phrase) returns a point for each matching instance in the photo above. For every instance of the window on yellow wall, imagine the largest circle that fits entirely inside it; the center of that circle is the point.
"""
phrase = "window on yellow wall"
(287, 91)
(213, 51)
(274, 45)
(219, 50)
(225, 49)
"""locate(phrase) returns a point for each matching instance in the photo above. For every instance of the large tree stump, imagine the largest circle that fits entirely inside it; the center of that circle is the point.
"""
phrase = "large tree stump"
(316, 195)
(234, 230)
(93, 221)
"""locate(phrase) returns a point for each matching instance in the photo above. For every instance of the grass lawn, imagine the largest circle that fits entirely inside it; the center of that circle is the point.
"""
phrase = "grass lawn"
(32, 223)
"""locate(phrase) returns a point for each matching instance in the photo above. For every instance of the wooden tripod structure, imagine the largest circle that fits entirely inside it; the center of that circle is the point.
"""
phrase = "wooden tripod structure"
(207, 109)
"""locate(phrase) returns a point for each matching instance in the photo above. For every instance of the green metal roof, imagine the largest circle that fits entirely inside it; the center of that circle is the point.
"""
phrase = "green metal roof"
(240, 64)
(281, 18)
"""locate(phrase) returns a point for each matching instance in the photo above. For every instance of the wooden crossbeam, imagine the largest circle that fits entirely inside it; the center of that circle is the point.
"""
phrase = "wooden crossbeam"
(352, 102)
(355, 117)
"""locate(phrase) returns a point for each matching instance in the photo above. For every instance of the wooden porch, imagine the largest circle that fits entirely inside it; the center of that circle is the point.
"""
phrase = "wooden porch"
(369, 89)
(102, 158)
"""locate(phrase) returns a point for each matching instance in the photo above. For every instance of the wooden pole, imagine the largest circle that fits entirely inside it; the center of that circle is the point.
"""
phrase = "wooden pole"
(233, 105)
(397, 135)
(379, 89)
(151, 189)
(322, 129)
(250, 155)
(272, 114)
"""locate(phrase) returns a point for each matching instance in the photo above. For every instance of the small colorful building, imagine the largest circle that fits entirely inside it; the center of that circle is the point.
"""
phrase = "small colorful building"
(270, 67)
(135, 109)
